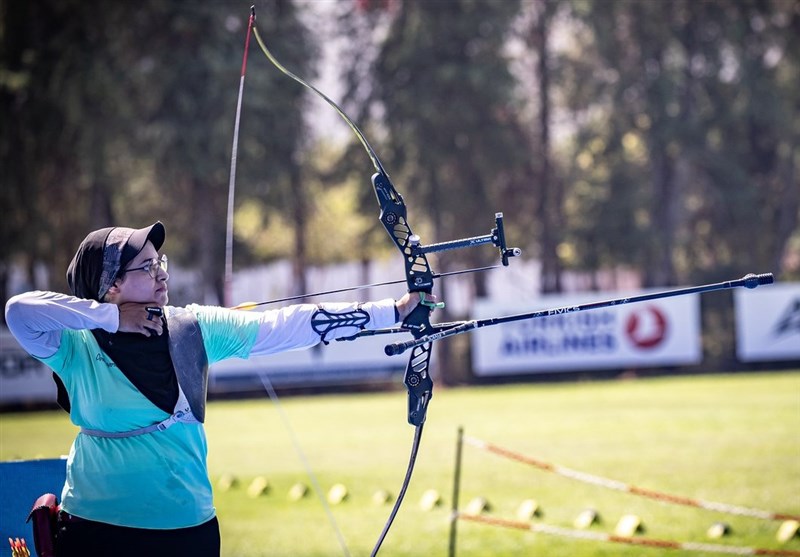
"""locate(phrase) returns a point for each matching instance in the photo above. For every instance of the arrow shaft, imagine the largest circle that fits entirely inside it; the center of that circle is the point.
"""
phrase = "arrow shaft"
(250, 305)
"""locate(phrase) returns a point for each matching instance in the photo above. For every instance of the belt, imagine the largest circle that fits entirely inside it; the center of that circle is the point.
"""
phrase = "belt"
(66, 518)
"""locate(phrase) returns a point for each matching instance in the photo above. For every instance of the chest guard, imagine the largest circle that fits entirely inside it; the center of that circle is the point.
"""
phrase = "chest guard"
(189, 358)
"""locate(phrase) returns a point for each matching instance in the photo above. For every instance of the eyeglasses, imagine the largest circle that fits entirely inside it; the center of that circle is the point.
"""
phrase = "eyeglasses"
(152, 266)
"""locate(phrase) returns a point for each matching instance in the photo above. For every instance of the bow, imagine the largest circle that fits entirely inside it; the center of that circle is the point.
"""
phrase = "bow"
(418, 277)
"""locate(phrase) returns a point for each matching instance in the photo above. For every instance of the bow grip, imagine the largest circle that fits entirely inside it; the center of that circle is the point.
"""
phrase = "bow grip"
(418, 321)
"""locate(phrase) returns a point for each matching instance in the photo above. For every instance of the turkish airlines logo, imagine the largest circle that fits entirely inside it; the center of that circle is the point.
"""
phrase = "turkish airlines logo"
(646, 328)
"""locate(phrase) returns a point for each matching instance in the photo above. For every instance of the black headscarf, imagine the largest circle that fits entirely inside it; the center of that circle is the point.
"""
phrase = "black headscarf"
(145, 361)
(103, 253)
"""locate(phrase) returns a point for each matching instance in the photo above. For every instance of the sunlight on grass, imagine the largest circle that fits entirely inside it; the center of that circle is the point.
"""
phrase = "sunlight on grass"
(728, 438)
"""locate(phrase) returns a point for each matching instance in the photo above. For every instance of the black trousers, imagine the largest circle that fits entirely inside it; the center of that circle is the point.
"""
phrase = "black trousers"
(86, 538)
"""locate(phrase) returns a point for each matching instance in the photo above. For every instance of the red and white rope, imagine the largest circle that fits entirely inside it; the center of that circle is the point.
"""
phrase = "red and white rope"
(620, 486)
(646, 542)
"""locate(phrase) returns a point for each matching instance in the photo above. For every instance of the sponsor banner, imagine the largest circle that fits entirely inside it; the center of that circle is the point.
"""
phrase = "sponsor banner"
(768, 323)
(646, 334)
(23, 378)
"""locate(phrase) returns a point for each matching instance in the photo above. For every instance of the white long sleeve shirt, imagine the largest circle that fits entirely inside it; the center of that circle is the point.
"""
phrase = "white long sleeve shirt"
(159, 480)
(37, 319)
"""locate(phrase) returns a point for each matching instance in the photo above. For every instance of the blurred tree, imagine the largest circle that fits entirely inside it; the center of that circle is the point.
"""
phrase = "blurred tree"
(550, 205)
(681, 153)
(442, 98)
(186, 127)
(686, 157)
(120, 114)
(687, 136)
(445, 97)
(282, 105)
(61, 73)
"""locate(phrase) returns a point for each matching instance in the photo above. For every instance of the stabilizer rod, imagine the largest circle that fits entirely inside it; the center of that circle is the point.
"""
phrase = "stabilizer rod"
(748, 281)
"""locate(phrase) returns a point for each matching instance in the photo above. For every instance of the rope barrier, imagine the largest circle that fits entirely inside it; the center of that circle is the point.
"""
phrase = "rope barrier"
(634, 490)
(646, 542)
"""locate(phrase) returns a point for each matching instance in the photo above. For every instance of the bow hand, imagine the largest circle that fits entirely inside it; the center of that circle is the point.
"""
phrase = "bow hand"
(412, 300)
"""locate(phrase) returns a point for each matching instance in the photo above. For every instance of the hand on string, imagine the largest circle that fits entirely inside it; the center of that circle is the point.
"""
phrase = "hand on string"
(140, 318)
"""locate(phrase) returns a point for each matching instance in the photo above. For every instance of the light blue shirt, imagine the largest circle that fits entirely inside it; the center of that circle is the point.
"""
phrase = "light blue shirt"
(158, 480)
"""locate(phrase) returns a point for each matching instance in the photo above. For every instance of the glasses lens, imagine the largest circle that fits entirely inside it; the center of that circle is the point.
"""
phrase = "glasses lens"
(154, 265)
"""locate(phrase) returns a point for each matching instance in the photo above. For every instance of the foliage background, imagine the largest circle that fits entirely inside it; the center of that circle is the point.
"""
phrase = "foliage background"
(660, 137)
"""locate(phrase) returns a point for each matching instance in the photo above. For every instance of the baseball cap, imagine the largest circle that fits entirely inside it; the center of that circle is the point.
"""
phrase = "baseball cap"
(103, 253)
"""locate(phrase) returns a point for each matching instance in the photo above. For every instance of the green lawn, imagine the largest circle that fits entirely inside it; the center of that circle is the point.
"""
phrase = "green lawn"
(733, 439)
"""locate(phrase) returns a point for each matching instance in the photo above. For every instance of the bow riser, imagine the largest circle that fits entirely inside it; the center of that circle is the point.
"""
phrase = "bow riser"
(419, 384)
(419, 276)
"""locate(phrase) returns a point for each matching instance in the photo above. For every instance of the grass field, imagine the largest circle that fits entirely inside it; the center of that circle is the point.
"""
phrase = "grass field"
(732, 439)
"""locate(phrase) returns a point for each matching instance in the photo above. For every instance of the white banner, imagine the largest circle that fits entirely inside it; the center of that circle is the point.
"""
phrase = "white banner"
(340, 362)
(646, 334)
(768, 323)
(23, 379)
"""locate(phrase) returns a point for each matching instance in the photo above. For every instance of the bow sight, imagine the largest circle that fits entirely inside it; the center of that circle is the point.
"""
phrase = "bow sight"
(393, 217)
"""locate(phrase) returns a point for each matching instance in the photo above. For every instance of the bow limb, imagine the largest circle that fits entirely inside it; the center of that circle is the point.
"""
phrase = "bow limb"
(356, 130)
(419, 278)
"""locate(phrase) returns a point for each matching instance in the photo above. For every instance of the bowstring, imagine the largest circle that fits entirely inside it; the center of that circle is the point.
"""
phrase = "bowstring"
(251, 305)
(265, 381)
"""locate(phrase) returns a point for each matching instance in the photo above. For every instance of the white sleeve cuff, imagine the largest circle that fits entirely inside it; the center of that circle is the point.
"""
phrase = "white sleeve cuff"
(382, 313)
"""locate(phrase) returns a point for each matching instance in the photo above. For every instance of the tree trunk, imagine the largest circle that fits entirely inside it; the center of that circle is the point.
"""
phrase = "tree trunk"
(549, 204)
(441, 362)
(662, 272)
(300, 213)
